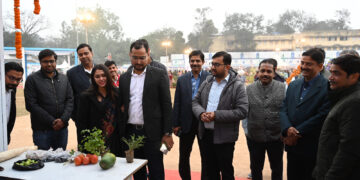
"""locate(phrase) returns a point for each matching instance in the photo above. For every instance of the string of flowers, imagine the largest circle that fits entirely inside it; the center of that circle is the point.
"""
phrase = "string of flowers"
(295, 73)
(37, 7)
(17, 29)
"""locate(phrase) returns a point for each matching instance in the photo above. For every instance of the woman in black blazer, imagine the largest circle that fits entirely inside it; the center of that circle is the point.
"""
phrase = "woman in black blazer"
(99, 107)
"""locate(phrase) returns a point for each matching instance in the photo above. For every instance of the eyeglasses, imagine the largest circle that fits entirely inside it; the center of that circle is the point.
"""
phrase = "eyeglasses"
(47, 61)
(12, 78)
(216, 64)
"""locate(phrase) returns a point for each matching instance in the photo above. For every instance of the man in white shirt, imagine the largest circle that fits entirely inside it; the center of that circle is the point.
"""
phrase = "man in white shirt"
(145, 97)
(13, 77)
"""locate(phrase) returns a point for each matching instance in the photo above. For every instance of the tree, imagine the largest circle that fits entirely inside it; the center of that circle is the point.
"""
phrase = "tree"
(290, 21)
(341, 22)
(105, 35)
(31, 26)
(240, 30)
(204, 30)
(166, 34)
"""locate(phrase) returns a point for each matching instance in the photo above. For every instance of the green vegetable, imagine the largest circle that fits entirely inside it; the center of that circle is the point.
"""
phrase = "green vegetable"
(107, 161)
(27, 162)
(93, 141)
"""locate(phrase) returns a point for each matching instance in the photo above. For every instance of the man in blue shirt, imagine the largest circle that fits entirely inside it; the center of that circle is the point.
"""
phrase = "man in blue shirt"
(302, 115)
(220, 104)
(185, 124)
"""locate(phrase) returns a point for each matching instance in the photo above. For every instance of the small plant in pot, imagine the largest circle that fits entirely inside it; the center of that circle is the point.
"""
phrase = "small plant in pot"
(133, 143)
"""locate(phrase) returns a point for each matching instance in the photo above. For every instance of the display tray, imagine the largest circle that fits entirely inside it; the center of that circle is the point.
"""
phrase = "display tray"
(38, 165)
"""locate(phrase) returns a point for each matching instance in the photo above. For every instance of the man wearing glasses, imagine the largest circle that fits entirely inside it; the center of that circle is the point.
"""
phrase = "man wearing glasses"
(49, 99)
(219, 105)
(145, 97)
(13, 77)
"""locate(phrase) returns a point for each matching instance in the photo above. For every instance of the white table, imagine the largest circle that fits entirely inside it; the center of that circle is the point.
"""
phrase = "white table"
(54, 171)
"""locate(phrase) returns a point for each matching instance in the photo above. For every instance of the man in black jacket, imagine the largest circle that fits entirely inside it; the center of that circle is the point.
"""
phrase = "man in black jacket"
(13, 77)
(49, 99)
(145, 97)
(184, 122)
(338, 155)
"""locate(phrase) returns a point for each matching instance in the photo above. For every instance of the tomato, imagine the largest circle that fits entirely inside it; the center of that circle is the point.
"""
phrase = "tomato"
(86, 160)
(94, 159)
(81, 156)
(77, 161)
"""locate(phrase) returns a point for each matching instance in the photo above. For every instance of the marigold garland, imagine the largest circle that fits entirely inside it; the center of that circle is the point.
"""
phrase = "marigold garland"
(17, 29)
(295, 73)
(37, 7)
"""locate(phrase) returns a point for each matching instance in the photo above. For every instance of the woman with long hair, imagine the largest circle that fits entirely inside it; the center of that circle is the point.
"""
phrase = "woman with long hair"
(99, 107)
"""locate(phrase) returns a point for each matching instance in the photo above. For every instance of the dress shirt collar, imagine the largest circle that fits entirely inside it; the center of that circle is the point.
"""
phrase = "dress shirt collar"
(134, 74)
(226, 78)
(192, 75)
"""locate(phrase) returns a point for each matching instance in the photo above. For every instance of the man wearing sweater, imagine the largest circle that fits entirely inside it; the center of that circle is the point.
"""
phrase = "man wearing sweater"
(264, 129)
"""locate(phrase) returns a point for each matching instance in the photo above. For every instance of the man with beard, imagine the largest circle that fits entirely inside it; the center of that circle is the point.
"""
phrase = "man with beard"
(113, 71)
(263, 122)
(13, 77)
(302, 115)
(219, 105)
(49, 99)
(338, 155)
(79, 76)
(145, 97)
(184, 122)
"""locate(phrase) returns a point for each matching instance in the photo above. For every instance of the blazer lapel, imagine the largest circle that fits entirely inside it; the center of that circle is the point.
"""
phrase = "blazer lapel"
(147, 80)
(127, 81)
(188, 84)
(83, 75)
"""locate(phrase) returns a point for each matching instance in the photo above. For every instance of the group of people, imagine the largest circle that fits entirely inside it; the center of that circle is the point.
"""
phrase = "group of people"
(313, 118)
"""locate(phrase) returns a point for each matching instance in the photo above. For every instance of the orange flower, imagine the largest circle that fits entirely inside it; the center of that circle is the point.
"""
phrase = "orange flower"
(18, 45)
(295, 73)
(17, 18)
(16, 3)
(37, 7)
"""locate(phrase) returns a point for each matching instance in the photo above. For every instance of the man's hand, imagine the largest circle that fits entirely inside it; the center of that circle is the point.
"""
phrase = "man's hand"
(207, 116)
(204, 117)
(168, 140)
(211, 116)
(292, 132)
(58, 124)
(176, 130)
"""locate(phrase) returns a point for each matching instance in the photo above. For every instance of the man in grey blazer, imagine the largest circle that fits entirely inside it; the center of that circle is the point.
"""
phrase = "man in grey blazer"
(220, 104)
(185, 125)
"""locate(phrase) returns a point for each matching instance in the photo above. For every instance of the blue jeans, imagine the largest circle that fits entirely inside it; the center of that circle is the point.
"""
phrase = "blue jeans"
(46, 139)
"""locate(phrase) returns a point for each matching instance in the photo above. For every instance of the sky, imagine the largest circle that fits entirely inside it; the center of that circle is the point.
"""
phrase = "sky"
(139, 17)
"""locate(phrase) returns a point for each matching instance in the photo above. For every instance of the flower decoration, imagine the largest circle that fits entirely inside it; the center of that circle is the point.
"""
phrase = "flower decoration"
(295, 73)
(37, 7)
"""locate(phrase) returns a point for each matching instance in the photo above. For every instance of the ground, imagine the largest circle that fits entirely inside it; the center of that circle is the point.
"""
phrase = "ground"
(22, 136)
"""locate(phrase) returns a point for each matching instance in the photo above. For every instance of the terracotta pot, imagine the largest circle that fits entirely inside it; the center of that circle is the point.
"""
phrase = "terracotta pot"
(129, 154)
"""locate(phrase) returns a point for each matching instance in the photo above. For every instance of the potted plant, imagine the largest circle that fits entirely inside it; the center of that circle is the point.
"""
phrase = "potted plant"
(133, 143)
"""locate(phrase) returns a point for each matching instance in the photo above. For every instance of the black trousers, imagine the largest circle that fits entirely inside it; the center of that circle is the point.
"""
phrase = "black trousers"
(257, 151)
(300, 167)
(185, 148)
(217, 157)
(151, 152)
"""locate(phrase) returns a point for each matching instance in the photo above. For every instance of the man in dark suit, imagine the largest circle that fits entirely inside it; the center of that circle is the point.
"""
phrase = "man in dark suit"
(13, 77)
(184, 122)
(304, 110)
(145, 97)
(79, 76)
